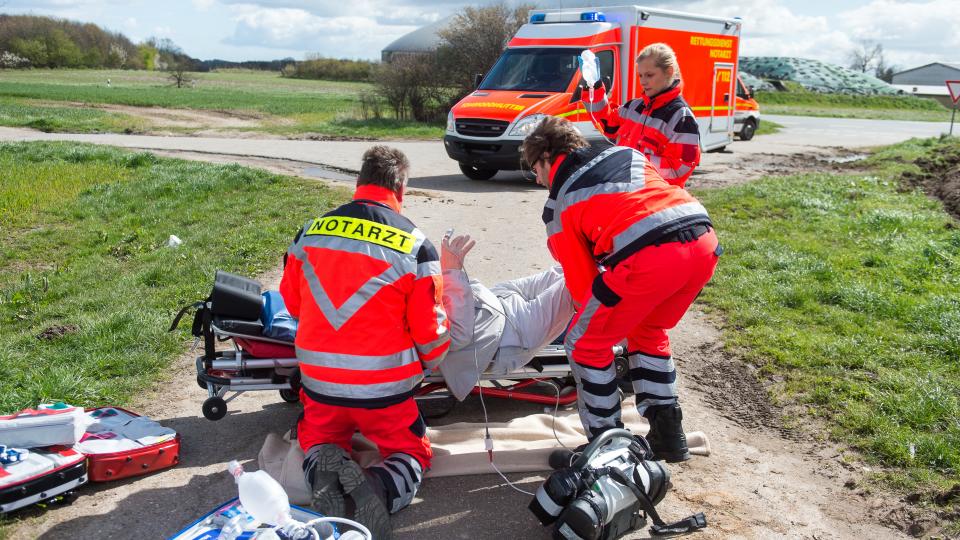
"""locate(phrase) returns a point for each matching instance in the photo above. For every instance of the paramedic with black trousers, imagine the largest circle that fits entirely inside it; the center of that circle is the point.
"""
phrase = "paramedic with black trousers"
(635, 252)
(365, 284)
(659, 124)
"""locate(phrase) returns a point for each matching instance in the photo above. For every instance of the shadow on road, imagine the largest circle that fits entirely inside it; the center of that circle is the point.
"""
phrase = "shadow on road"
(503, 182)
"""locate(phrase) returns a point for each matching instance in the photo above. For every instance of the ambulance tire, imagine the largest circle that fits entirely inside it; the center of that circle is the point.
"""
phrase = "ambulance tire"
(214, 408)
(290, 396)
(748, 130)
(476, 173)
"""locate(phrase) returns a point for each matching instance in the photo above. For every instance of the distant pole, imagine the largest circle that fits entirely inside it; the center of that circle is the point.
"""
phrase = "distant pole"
(952, 116)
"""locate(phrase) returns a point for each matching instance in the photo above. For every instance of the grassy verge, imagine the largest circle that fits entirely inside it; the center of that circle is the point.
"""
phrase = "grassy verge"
(288, 106)
(87, 284)
(846, 288)
(800, 102)
(768, 127)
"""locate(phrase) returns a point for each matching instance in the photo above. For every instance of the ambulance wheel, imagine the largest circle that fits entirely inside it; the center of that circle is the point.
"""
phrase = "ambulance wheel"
(290, 396)
(748, 130)
(477, 173)
(214, 408)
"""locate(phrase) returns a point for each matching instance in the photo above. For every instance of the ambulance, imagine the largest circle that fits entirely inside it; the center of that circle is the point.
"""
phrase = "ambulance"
(538, 75)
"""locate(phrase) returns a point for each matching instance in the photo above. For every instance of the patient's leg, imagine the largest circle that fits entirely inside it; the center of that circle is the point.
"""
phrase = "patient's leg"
(537, 307)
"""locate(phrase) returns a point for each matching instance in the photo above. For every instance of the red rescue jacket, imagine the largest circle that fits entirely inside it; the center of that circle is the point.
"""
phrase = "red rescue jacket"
(663, 128)
(365, 284)
(605, 204)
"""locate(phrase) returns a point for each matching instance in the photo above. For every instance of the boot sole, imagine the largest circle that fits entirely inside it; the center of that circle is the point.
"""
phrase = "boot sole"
(674, 457)
(369, 510)
(328, 500)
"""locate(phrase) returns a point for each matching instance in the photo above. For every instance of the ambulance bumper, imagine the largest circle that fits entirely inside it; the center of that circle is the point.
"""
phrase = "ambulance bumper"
(503, 155)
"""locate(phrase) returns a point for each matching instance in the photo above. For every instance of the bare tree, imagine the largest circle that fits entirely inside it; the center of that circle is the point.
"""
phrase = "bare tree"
(866, 56)
(177, 71)
(474, 40)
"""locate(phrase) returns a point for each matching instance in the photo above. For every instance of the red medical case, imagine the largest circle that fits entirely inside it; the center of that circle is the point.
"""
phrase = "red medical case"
(121, 444)
(46, 473)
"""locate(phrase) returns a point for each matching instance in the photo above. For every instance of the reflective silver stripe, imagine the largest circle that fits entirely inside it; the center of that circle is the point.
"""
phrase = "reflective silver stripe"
(597, 105)
(655, 220)
(357, 361)
(337, 317)
(637, 181)
(676, 118)
(568, 533)
(420, 239)
(581, 171)
(429, 268)
(575, 333)
(554, 227)
(426, 348)
(685, 138)
(361, 391)
(547, 503)
(641, 386)
(349, 245)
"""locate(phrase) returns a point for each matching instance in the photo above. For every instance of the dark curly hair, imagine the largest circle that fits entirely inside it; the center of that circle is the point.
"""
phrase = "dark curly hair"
(384, 166)
(553, 136)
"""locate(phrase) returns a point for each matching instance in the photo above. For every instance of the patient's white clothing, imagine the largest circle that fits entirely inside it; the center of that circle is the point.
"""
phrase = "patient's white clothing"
(500, 329)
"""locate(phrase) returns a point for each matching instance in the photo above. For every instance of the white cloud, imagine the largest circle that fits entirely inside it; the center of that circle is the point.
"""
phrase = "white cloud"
(131, 22)
(203, 5)
(163, 31)
(912, 33)
(297, 29)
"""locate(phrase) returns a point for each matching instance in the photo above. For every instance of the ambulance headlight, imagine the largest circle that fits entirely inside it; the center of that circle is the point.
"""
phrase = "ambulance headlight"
(526, 125)
(451, 125)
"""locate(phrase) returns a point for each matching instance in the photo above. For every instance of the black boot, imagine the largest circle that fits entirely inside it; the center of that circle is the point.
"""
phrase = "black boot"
(666, 436)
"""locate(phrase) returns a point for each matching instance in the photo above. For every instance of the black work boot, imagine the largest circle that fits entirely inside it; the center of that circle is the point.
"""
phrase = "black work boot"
(666, 436)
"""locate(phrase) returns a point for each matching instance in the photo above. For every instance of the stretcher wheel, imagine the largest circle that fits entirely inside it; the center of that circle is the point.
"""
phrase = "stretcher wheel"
(214, 408)
(289, 395)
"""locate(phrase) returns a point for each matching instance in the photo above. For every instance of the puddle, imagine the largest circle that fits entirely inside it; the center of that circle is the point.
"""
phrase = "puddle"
(328, 174)
(850, 158)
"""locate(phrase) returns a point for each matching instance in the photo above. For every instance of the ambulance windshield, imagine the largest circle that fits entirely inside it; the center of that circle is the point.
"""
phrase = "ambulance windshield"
(533, 69)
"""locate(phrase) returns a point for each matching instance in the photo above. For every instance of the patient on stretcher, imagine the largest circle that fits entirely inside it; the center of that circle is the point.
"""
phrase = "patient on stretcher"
(498, 329)
(494, 330)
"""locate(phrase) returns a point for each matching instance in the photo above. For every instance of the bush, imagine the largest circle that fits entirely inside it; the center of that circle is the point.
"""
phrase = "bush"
(319, 67)
(55, 43)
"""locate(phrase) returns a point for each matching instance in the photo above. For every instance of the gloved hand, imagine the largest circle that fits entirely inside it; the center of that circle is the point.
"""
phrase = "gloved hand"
(454, 250)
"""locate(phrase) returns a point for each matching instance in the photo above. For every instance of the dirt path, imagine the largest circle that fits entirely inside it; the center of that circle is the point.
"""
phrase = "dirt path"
(761, 481)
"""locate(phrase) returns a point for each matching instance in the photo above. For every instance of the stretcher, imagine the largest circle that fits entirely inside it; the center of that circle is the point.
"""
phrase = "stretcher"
(253, 361)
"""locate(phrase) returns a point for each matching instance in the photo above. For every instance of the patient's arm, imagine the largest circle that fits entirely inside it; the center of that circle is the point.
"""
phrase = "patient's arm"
(458, 302)
(454, 250)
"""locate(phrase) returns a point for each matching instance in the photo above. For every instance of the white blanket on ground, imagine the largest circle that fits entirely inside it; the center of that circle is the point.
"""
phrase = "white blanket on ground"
(521, 445)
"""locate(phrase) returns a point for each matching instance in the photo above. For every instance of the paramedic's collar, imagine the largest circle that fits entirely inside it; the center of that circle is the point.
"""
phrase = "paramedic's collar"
(556, 165)
(379, 194)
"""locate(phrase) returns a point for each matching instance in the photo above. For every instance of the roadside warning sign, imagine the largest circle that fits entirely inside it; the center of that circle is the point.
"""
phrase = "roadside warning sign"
(954, 88)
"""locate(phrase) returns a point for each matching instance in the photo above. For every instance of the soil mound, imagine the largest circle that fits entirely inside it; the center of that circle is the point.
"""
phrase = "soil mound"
(939, 176)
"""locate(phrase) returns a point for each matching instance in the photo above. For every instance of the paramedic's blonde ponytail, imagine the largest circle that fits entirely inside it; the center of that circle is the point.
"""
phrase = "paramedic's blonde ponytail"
(663, 57)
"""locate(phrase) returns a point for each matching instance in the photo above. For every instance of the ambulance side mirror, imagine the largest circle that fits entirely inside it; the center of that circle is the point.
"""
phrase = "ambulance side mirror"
(477, 79)
(750, 92)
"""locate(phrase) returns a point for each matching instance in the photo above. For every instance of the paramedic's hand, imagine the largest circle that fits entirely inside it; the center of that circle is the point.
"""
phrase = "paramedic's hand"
(454, 250)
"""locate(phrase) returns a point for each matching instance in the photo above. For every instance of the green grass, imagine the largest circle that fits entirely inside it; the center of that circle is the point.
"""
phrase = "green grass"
(83, 246)
(293, 106)
(18, 113)
(768, 127)
(799, 102)
(849, 289)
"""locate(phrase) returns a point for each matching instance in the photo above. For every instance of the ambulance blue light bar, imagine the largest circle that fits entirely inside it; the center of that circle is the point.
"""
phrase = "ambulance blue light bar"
(538, 18)
(592, 16)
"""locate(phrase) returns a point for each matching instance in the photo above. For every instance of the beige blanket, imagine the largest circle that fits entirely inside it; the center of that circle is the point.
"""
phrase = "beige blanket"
(521, 445)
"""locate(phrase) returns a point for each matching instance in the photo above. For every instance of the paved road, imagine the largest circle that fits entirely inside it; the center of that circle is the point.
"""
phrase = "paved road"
(800, 134)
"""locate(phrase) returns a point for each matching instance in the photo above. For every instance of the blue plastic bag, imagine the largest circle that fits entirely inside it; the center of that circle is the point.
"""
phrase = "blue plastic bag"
(277, 321)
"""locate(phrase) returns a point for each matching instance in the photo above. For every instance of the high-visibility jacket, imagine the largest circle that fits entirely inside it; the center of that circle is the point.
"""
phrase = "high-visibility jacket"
(663, 128)
(605, 204)
(365, 284)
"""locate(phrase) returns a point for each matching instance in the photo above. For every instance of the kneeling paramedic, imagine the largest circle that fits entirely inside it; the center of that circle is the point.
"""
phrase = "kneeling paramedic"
(365, 284)
(635, 251)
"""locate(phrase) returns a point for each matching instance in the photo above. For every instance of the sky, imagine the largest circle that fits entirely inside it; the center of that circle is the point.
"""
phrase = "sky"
(912, 32)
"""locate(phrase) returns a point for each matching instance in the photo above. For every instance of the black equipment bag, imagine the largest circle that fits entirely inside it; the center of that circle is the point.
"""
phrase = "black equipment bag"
(235, 297)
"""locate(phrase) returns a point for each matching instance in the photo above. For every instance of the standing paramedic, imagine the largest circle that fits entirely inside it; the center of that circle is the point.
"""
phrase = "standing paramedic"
(635, 252)
(659, 124)
(365, 284)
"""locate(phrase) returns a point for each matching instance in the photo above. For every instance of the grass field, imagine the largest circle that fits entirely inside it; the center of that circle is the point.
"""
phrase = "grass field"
(798, 102)
(846, 289)
(287, 106)
(87, 284)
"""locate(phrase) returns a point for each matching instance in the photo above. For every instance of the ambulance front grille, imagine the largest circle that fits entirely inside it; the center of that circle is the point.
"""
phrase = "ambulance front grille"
(481, 127)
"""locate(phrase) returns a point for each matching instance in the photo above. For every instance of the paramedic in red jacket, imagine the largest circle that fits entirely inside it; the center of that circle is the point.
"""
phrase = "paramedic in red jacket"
(635, 252)
(659, 124)
(365, 284)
